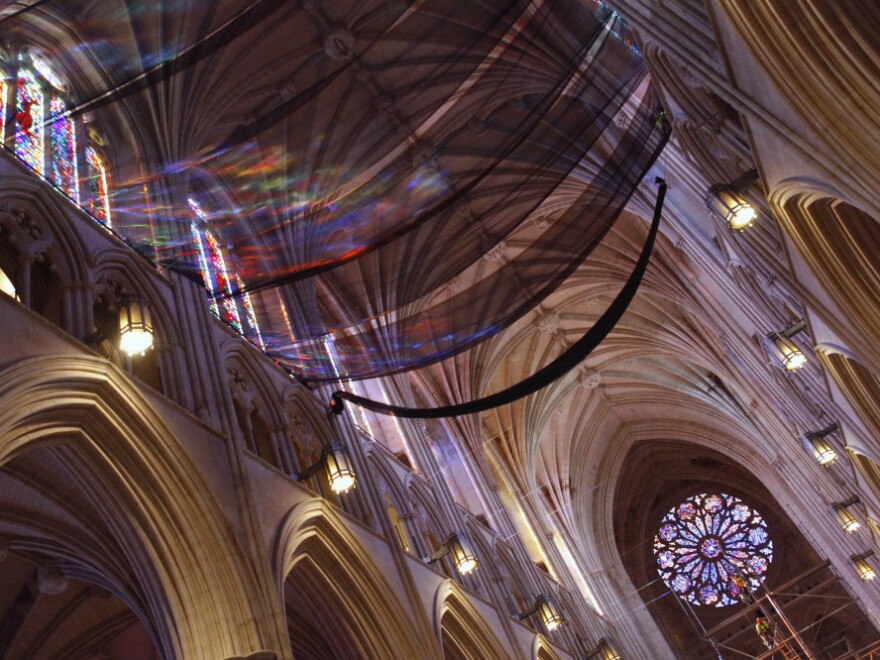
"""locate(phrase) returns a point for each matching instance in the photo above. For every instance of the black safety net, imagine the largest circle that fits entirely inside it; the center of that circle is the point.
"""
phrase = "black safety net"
(364, 187)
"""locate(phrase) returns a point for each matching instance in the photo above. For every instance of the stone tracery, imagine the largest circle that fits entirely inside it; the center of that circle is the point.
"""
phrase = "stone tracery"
(707, 540)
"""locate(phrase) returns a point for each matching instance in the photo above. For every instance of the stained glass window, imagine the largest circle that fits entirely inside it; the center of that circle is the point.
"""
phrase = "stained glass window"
(203, 265)
(213, 266)
(63, 145)
(619, 28)
(705, 541)
(45, 70)
(29, 143)
(250, 313)
(221, 276)
(99, 191)
(2, 107)
(45, 138)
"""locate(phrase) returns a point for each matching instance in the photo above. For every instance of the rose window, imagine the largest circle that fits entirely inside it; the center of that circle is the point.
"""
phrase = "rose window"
(705, 541)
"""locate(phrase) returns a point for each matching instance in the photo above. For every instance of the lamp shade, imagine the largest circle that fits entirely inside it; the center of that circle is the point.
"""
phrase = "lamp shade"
(731, 207)
(135, 327)
(864, 569)
(786, 352)
(340, 472)
(549, 613)
(847, 519)
(822, 451)
(608, 652)
(463, 555)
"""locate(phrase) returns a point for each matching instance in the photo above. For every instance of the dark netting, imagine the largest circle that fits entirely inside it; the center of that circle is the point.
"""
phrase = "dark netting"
(549, 373)
(390, 183)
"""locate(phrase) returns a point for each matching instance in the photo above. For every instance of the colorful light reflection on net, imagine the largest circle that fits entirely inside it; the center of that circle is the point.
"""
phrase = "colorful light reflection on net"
(705, 541)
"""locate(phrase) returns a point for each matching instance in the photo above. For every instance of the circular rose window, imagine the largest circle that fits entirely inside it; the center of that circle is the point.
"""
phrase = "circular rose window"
(705, 541)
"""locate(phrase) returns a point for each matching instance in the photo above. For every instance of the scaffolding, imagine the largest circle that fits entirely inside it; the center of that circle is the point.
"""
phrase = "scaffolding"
(788, 633)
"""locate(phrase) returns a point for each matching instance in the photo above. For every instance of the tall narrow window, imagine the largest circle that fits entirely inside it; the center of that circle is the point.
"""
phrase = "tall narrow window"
(29, 117)
(250, 313)
(213, 266)
(3, 90)
(45, 137)
(217, 264)
(203, 265)
(99, 191)
(63, 146)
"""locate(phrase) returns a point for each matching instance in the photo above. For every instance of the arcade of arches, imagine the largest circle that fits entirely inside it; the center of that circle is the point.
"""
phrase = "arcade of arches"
(162, 506)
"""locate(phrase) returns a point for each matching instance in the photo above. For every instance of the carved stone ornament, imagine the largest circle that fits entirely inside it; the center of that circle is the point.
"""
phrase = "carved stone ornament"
(339, 44)
(50, 580)
(497, 254)
(549, 324)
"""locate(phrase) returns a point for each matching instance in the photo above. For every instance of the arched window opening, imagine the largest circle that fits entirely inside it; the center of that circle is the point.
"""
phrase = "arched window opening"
(29, 119)
(47, 73)
(213, 265)
(99, 189)
(45, 136)
(63, 144)
(250, 313)
(219, 278)
(4, 90)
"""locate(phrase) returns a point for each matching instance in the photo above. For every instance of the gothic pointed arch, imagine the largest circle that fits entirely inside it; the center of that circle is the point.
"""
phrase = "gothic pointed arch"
(840, 243)
(161, 542)
(337, 602)
(819, 58)
(659, 474)
(116, 277)
(542, 649)
(40, 250)
(859, 384)
(463, 632)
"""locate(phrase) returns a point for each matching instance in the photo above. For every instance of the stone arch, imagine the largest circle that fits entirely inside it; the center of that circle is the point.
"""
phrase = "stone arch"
(173, 547)
(325, 574)
(115, 276)
(307, 426)
(869, 470)
(258, 407)
(542, 650)
(654, 475)
(431, 525)
(464, 634)
(41, 252)
(116, 263)
(859, 384)
(38, 215)
(841, 245)
(820, 58)
(393, 494)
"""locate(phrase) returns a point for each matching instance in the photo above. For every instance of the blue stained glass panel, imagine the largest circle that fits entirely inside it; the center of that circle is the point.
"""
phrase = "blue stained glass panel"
(63, 146)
